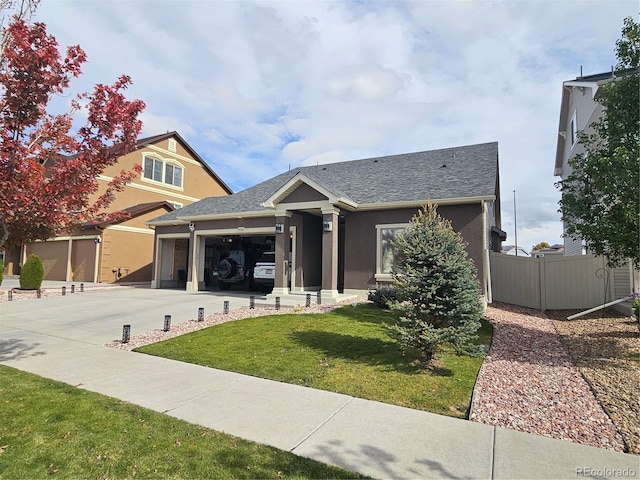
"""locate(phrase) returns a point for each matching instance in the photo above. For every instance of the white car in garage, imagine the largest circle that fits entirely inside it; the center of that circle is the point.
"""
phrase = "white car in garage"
(264, 272)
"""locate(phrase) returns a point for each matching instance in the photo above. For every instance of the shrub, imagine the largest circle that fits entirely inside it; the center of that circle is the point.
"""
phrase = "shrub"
(438, 285)
(383, 295)
(32, 273)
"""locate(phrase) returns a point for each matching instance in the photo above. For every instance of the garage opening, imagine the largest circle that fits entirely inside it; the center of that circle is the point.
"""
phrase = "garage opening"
(230, 261)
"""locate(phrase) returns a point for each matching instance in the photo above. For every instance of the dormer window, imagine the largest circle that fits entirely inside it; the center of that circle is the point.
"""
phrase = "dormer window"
(162, 171)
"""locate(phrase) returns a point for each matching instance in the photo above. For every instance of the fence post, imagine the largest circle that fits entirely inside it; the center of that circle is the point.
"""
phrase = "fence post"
(542, 279)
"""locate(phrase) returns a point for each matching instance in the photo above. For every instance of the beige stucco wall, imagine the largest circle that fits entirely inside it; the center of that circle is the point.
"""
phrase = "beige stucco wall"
(126, 256)
(197, 182)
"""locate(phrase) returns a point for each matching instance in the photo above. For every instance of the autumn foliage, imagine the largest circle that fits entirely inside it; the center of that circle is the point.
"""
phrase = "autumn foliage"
(48, 170)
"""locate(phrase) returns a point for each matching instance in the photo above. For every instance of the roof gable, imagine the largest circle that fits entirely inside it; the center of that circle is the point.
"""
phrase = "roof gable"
(301, 188)
(142, 142)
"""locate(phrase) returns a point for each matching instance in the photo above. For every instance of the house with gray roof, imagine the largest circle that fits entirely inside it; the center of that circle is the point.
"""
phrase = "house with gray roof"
(331, 225)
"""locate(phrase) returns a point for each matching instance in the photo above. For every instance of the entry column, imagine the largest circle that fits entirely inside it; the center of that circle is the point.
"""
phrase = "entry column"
(283, 235)
(330, 254)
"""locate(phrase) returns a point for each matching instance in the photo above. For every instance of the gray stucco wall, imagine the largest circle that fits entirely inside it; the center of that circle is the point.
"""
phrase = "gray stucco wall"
(361, 248)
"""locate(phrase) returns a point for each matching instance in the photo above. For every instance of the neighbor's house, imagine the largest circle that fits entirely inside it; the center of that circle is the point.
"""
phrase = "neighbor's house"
(331, 225)
(578, 110)
(173, 176)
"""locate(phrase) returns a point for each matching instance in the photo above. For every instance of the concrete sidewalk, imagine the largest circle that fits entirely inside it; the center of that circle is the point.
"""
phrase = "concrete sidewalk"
(62, 338)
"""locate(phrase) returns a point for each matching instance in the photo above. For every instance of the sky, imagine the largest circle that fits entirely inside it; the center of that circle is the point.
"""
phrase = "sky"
(257, 88)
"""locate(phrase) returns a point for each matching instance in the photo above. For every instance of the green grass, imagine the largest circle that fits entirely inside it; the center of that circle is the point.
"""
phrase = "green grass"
(347, 350)
(52, 430)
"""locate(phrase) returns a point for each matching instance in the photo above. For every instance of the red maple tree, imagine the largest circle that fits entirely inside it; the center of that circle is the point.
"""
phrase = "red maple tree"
(48, 172)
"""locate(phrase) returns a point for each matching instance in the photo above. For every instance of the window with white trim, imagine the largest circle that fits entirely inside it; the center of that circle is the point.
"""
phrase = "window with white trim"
(386, 252)
(162, 171)
(173, 175)
(153, 169)
(574, 130)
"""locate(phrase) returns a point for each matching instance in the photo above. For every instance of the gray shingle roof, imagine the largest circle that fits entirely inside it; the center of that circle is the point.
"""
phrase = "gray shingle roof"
(451, 173)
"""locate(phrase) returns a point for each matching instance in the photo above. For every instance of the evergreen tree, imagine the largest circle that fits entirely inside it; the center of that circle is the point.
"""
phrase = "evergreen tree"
(438, 289)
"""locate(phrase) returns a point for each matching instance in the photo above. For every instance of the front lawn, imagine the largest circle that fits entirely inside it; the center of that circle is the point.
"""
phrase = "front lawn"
(346, 350)
(52, 430)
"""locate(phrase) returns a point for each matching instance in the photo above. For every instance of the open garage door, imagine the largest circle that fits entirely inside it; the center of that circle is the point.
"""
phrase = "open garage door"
(229, 260)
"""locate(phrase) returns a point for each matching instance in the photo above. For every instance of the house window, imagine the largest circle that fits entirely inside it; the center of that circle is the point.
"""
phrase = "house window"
(173, 175)
(386, 252)
(162, 171)
(574, 130)
(153, 169)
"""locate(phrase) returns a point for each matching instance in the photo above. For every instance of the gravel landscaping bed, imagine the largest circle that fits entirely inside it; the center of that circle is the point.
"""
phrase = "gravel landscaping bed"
(605, 347)
(18, 294)
(215, 319)
(529, 381)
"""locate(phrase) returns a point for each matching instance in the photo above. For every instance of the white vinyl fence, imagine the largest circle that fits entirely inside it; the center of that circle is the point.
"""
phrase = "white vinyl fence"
(556, 282)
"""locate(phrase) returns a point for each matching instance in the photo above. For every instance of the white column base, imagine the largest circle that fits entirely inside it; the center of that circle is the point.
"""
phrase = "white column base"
(279, 292)
(329, 296)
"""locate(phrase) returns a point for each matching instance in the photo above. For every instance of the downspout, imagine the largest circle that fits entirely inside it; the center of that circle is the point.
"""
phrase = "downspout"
(485, 253)
(96, 268)
(69, 253)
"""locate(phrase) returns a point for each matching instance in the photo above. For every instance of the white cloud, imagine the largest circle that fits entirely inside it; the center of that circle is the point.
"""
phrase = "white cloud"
(256, 87)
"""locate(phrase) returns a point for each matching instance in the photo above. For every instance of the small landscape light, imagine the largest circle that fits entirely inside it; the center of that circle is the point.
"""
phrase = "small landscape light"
(319, 298)
(201, 314)
(277, 303)
(73, 288)
(307, 302)
(39, 293)
(64, 291)
(225, 308)
(167, 323)
(82, 287)
(10, 295)
(126, 333)
(252, 302)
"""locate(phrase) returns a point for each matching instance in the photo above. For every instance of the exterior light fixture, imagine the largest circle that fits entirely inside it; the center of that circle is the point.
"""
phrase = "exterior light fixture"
(277, 303)
(307, 302)
(327, 226)
(252, 302)
(319, 298)
(225, 308)
(82, 287)
(192, 227)
(201, 314)
(73, 288)
(64, 291)
(167, 323)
